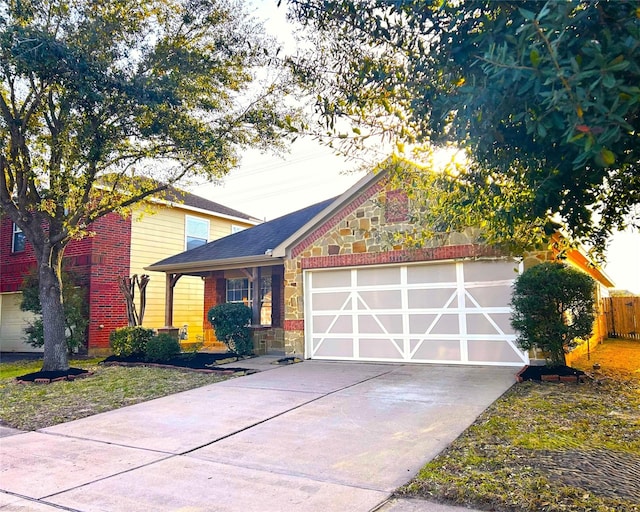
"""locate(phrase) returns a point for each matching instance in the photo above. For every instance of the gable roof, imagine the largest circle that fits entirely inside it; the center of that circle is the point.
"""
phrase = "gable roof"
(250, 245)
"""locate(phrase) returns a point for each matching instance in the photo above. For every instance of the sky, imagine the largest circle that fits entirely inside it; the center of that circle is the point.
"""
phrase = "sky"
(267, 186)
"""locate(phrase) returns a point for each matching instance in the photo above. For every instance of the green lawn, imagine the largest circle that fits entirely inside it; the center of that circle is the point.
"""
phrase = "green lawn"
(546, 447)
(34, 406)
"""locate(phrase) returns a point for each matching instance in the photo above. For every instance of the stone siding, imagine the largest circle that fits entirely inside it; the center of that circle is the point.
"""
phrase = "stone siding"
(360, 234)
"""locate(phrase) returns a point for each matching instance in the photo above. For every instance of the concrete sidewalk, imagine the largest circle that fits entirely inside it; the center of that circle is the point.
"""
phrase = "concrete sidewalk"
(313, 436)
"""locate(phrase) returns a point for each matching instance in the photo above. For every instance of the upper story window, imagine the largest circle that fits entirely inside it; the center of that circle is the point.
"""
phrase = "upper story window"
(18, 239)
(196, 232)
(236, 229)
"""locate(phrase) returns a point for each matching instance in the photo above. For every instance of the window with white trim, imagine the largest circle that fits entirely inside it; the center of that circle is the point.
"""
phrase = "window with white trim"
(238, 290)
(18, 239)
(196, 232)
(236, 229)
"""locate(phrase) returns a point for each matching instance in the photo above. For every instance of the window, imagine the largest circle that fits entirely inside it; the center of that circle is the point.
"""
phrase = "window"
(238, 291)
(236, 229)
(196, 232)
(18, 239)
(265, 301)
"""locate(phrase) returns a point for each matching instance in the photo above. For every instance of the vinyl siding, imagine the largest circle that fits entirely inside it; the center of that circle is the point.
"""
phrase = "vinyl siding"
(159, 234)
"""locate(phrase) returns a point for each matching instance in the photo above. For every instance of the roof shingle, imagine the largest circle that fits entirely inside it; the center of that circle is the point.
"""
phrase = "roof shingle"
(253, 241)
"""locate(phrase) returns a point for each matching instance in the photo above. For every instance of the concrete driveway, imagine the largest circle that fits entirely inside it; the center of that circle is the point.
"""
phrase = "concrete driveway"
(312, 436)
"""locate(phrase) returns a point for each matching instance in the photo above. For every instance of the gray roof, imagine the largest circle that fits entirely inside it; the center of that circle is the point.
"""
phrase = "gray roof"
(188, 199)
(254, 241)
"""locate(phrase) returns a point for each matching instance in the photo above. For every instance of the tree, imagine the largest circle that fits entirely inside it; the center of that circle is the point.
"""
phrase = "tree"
(553, 304)
(543, 97)
(106, 103)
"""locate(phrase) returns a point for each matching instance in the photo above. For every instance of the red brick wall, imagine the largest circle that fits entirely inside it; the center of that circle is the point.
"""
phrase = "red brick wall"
(110, 257)
(402, 256)
(13, 266)
(96, 261)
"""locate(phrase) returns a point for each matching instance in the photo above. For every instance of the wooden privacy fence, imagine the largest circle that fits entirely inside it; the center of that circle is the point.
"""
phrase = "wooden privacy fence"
(622, 315)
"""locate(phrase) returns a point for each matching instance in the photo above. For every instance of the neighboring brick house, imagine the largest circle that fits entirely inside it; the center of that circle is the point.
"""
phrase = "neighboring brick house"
(121, 247)
(329, 286)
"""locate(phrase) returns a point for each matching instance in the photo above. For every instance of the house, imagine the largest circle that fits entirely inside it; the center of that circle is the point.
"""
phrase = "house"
(122, 247)
(332, 289)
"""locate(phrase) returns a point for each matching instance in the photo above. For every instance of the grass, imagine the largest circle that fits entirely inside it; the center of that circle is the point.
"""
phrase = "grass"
(33, 406)
(549, 447)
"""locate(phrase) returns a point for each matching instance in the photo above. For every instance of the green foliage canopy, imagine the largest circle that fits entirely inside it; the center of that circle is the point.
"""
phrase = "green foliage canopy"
(553, 304)
(105, 103)
(544, 97)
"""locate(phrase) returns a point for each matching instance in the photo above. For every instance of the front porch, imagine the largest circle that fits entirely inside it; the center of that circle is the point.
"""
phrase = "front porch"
(259, 287)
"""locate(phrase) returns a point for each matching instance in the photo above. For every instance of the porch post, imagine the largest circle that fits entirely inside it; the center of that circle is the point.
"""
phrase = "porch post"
(255, 293)
(171, 281)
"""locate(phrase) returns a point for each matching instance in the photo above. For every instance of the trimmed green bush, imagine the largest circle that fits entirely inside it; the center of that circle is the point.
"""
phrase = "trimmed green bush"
(127, 341)
(161, 348)
(231, 324)
(553, 304)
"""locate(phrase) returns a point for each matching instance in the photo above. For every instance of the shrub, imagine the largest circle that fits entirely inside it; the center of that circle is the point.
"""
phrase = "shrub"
(161, 348)
(127, 341)
(552, 306)
(75, 311)
(231, 324)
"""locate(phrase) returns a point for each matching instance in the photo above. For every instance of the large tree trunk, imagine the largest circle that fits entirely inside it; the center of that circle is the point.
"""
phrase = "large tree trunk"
(55, 345)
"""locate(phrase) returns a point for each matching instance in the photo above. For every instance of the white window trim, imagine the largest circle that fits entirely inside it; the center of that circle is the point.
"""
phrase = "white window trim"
(186, 230)
(236, 229)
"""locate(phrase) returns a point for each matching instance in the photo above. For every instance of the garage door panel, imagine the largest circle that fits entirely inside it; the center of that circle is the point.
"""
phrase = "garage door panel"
(492, 351)
(421, 324)
(434, 324)
(333, 347)
(383, 324)
(428, 274)
(435, 350)
(333, 324)
(490, 296)
(481, 324)
(13, 322)
(334, 279)
(371, 348)
(454, 312)
(378, 276)
(330, 301)
(484, 271)
(382, 299)
(431, 298)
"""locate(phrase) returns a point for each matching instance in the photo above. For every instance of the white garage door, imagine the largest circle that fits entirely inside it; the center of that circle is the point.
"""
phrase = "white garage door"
(12, 324)
(432, 313)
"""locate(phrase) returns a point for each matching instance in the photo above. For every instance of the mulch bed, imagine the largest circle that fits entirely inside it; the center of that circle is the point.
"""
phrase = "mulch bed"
(203, 362)
(197, 361)
(54, 376)
(551, 374)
